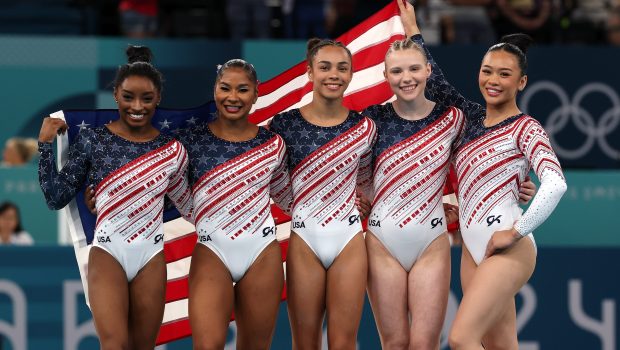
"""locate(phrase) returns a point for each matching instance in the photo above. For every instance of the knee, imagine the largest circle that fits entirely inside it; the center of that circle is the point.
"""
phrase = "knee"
(114, 344)
(211, 344)
(458, 339)
(424, 344)
(342, 341)
(500, 344)
(395, 342)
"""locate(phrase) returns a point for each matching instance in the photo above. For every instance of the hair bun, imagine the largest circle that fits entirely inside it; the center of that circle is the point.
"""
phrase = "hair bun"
(312, 43)
(520, 40)
(139, 54)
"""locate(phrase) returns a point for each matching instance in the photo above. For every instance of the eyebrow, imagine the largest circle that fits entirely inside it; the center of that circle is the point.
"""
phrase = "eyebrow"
(131, 92)
(328, 62)
(501, 68)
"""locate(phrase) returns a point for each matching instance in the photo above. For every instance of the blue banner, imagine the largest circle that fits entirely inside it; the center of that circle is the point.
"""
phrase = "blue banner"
(571, 302)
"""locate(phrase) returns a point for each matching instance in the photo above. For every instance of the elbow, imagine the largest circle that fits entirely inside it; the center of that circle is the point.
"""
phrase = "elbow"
(562, 187)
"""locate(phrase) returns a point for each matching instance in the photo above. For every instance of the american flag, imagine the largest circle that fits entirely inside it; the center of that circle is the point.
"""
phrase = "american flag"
(368, 43)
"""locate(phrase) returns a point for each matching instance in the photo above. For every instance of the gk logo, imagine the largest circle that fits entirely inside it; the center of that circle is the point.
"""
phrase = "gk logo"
(353, 219)
(268, 231)
(493, 219)
(437, 221)
(159, 238)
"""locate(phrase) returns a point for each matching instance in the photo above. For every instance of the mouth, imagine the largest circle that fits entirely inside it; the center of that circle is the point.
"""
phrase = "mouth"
(136, 117)
(332, 86)
(232, 109)
(493, 92)
(408, 88)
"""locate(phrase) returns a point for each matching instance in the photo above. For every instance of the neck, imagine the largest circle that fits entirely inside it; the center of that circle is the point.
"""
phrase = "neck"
(325, 110)
(141, 134)
(501, 112)
(415, 109)
(233, 130)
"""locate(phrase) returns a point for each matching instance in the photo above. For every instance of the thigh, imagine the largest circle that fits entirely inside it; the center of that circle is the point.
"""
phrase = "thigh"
(468, 267)
(210, 298)
(387, 291)
(257, 299)
(429, 285)
(305, 288)
(109, 299)
(147, 292)
(346, 284)
(492, 288)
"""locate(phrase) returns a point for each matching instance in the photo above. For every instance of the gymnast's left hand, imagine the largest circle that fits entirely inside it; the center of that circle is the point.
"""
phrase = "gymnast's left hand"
(363, 205)
(501, 240)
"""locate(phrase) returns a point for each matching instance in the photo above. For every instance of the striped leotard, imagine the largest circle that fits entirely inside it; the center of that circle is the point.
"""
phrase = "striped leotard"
(491, 162)
(232, 183)
(131, 180)
(326, 165)
(411, 160)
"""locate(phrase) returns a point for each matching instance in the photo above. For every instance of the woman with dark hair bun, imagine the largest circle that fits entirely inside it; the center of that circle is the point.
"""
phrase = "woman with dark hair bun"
(497, 149)
(131, 166)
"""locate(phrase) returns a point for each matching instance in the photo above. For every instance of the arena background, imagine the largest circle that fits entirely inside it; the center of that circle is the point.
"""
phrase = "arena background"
(570, 303)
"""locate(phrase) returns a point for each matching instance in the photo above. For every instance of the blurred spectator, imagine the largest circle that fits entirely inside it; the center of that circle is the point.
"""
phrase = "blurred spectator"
(18, 151)
(613, 26)
(248, 18)
(304, 18)
(532, 17)
(470, 23)
(138, 18)
(435, 18)
(11, 231)
(583, 21)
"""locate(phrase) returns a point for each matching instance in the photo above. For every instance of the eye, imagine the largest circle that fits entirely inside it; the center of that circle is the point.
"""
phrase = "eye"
(148, 99)
(244, 89)
(504, 74)
(224, 88)
(396, 70)
(486, 71)
(127, 97)
(324, 68)
(343, 69)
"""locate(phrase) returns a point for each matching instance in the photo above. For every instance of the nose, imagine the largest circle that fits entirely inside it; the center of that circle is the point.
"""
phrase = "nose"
(136, 104)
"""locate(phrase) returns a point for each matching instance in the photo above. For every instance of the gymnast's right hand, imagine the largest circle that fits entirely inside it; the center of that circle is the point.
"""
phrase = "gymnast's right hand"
(50, 128)
(89, 199)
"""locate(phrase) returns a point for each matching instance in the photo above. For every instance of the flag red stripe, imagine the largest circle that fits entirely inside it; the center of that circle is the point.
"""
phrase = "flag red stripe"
(177, 289)
(173, 331)
(180, 248)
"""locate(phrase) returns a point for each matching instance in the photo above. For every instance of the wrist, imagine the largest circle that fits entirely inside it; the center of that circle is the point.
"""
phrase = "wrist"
(516, 235)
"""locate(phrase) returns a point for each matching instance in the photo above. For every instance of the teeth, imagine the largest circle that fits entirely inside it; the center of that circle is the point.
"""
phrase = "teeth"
(136, 116)
(232, 108)
(407, 88)
(333, 86)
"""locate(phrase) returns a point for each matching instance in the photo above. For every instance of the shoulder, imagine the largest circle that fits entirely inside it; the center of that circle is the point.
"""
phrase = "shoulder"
(22, 238)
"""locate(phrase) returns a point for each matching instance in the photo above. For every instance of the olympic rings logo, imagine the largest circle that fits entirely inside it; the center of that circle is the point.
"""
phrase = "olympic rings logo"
(571, 111)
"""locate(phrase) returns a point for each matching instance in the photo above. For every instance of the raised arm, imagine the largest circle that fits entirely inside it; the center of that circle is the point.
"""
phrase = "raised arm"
(60, 187)
(438, 88)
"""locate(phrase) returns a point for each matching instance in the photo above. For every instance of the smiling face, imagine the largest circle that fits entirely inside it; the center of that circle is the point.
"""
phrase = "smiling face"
(407, 71)
(234, 94)
(330, 72)
(500, 78)
(137, 99)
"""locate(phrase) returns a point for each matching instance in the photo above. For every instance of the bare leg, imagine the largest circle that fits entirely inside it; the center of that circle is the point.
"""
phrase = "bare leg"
(305, 283)
(503, 335)
(257, 297)
(346, 284)
(387, 291)
(489, 292)
(109, 299)
(210, 299)
(429, 285)
(147, 292)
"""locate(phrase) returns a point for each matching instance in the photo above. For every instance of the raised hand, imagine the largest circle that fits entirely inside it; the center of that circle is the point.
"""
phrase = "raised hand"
(50, 128)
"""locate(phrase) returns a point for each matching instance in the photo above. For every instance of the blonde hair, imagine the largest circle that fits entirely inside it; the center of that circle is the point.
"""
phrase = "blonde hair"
(406, 44)
(25, 147)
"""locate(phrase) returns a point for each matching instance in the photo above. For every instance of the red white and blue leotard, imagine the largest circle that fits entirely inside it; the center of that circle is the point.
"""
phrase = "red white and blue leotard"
(131, 179)
(327, 164)
(411, 160)
(491, 163)
(232, 183)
